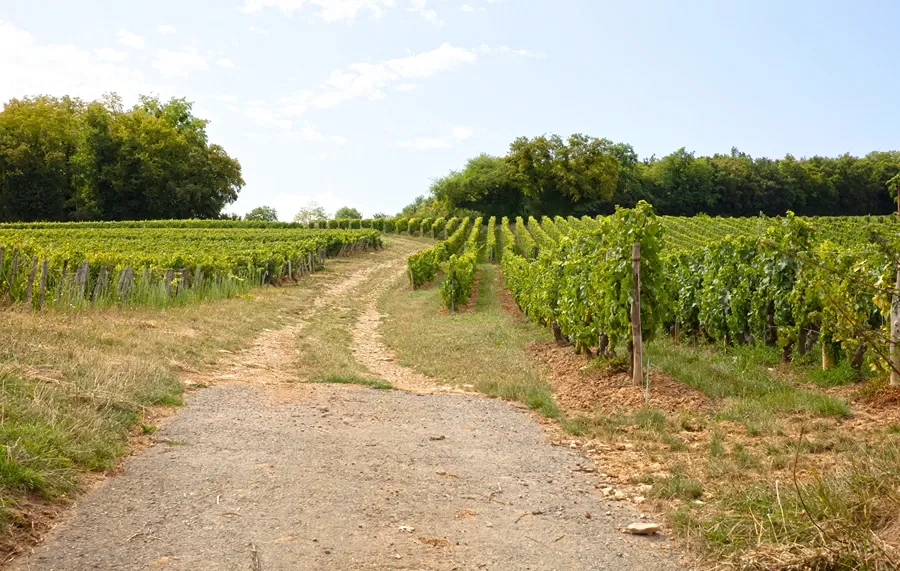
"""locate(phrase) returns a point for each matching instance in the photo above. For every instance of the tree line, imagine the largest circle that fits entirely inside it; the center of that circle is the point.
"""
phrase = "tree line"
(586, 175)
(65, 159)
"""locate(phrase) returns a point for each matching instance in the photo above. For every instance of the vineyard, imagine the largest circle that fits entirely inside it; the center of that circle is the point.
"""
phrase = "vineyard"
(161, 263)
(789, 282)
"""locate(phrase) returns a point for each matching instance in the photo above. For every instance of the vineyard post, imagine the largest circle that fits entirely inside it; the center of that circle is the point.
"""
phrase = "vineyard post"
(30, 287)
(637, 376)
(42, 292)
(895, 332)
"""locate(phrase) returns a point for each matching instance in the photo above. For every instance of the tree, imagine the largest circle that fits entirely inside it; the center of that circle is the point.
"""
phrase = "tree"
(312, 212)
(486, 185)
(347, 212)
(555, 175)
(62, 159)
(264, 213)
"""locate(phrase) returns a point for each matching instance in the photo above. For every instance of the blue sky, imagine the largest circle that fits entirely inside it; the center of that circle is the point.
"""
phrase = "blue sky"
(364, 102)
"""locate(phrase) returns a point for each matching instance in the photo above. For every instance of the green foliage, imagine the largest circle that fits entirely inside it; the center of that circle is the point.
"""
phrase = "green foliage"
(485, 185)
(64, 159)
(459, 279)
(423, 266)
(552, 176)
(413, 226)
(781, 281)
(160, 262)
(347, 212)
(491, 241)
(438, 226)
(265, 213)
(527, 246)
(311, 213)
(584, 283)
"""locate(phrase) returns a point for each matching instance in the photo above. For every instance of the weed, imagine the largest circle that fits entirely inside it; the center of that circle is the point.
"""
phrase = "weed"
(354, 380)
(717, 444)
(677, 486)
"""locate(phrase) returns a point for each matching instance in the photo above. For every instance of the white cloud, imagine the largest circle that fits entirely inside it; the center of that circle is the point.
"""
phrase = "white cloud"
(181, 63)
(420, 7)
(165, 29)
(466, 8)
(110, 55)
(452, 136)
(488, 50)
(328, 10)
(29, 68)
(367, 80)
(424, 144)
(338, 140)
(406, 87)
(130, 40)
(226, 63)
(260, 31)
(227, 98)
(462, 133)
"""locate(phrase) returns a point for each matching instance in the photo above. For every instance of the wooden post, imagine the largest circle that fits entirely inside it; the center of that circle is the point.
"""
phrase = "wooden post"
(412, 280)
(62, 282)
(81, 278)
(98, 287)
(895, 332)
(126, 279)
(30, 287)
(13, 270)
(42, 292)
(168, 277)
(637, 374)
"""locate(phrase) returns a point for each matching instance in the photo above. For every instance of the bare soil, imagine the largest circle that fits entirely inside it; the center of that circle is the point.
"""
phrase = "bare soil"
(257, 472)
(580, 386)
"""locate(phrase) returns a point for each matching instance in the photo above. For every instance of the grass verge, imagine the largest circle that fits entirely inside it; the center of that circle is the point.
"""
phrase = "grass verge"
(75, 385)
(483, 347)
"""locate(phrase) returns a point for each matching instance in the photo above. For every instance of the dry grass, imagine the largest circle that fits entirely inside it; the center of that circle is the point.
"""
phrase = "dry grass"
(75, 385)
(484, 347)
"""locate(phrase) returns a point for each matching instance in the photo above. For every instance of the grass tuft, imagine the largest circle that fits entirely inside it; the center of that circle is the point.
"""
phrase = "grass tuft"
(354, 380)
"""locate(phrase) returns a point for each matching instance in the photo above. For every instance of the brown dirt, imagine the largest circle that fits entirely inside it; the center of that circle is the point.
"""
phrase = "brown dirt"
(578, 386)
(345, 477)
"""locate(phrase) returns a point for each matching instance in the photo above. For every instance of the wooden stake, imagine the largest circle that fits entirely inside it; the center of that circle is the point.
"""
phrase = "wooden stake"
(30, 287)
(13, 270)
(98, 287)
(62, 282)
(81, 278)
(42, 293)
(637, 374)
(895, 332)
(168, 277)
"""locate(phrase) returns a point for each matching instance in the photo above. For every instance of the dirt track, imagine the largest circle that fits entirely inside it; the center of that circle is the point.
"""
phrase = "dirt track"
(278, 476)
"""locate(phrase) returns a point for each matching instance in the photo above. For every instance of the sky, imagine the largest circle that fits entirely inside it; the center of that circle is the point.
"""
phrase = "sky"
(364, 102)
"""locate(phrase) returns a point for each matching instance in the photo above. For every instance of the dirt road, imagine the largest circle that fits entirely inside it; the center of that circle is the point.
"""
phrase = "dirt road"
(275, 475)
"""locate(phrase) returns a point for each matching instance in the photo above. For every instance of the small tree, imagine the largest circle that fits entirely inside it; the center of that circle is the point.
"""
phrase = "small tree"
(264, 213)
(347, 212)
(312, 212)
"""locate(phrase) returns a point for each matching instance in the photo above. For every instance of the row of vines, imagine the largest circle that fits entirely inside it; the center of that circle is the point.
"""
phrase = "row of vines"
(165, 263)
(791, 282)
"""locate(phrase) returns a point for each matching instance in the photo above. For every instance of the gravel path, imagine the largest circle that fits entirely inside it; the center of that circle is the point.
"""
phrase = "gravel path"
(267, 476)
